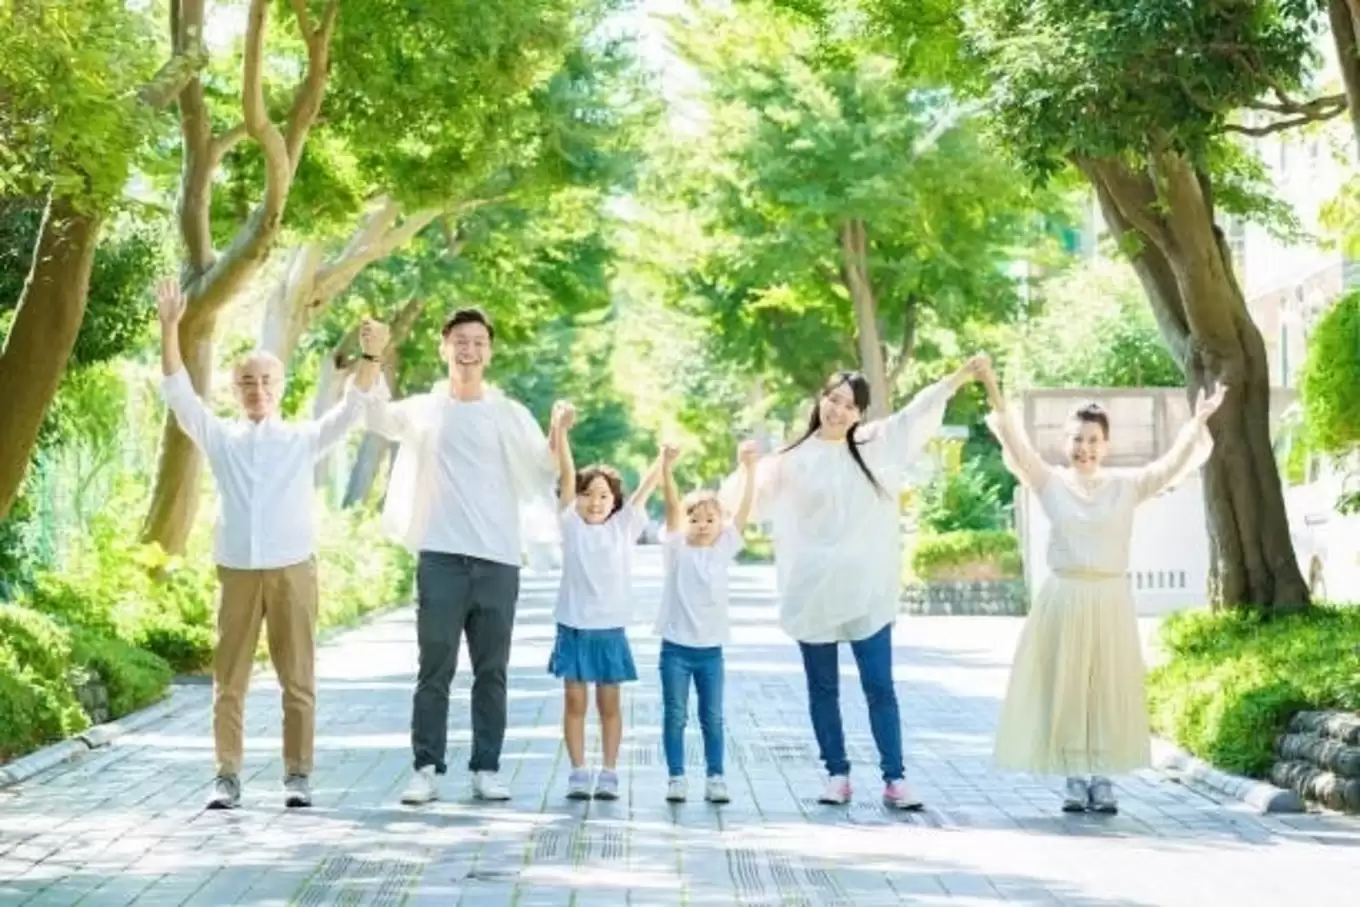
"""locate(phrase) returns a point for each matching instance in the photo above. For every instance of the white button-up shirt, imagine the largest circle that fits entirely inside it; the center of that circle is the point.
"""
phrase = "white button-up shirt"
(264, 475)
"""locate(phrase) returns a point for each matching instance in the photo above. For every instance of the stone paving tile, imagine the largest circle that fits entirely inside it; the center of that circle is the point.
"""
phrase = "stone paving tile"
(124, 825)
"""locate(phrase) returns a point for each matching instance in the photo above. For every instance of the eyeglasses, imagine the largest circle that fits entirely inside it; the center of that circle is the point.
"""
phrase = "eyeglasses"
(251, 384)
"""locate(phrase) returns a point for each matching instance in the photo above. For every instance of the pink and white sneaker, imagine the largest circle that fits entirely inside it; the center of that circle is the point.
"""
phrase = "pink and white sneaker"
(837, 792)
(899, 796)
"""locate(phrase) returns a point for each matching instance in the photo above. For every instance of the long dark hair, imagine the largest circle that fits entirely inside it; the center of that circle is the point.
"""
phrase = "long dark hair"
(859, 390)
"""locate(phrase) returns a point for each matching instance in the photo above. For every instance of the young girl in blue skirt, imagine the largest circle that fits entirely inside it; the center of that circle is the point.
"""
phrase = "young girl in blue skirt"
(599, 528)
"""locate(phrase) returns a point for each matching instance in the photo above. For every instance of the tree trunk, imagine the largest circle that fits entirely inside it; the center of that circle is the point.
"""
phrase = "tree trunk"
(1344, 15)
(372, 451)
(174, 498)
(286, 312)
(42, 336)
(855, 273)
(1186, 271)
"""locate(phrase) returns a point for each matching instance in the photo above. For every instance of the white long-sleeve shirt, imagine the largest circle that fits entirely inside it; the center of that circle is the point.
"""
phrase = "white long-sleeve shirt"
(264, 475)
(837, 539)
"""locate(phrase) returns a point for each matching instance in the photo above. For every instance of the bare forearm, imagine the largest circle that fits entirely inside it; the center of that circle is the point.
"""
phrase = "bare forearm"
(171, 360)
(647, 485)
(566, 465)
(671, 493)
(748, 497)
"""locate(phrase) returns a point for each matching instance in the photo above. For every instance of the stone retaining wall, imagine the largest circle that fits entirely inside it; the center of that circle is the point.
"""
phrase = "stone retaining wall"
(1319, 757)
(1008, 598)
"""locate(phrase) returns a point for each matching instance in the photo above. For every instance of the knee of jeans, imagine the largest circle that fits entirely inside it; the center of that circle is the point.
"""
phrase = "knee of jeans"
(675, 717)
(879, 691)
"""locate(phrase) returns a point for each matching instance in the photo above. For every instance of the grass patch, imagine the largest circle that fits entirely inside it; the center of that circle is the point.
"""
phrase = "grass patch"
(966, 555)
(1232, 681)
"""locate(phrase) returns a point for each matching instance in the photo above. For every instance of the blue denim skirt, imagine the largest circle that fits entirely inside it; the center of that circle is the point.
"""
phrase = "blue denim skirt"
(592, 656)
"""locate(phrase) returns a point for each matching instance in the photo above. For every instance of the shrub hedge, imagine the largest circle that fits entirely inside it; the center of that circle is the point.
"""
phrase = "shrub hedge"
(135, 618)
(1231, 681)
(948, 555)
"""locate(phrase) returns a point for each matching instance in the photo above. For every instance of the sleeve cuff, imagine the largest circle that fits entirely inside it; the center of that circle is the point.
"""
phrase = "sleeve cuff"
(176, 385)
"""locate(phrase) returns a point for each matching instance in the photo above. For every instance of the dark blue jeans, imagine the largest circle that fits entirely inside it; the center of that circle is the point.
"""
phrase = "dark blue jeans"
(678, 665)
(821, 664)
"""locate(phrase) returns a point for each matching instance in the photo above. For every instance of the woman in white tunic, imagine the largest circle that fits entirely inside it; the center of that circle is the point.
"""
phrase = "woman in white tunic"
(1075, 704)
(833, 497)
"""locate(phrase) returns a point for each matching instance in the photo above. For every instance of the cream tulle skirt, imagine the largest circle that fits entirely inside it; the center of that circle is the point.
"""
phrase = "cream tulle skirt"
(1075, 703)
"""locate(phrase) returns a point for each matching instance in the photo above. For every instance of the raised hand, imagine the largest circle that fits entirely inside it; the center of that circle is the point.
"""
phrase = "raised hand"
(1207, 403)
(169, 301)
(669, 454)
(748, 452)
(373, 337)
(563, 415)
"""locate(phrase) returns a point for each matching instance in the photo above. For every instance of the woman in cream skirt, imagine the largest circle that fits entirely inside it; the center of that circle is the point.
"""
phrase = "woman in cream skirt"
(1075, 704)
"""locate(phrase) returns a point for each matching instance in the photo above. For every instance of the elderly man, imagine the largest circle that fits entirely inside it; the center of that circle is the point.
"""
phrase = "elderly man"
(265, 546)
(470, 489)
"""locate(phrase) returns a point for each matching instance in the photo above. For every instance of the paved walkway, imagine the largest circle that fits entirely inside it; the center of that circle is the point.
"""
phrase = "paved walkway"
(124, 825)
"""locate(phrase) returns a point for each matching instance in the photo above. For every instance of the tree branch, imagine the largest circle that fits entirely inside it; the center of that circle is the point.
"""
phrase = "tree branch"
(1344, 16)
(307, 100)
(196, 134)
(1278, 125)
(303, 19)
(227, 141)
(1321, 108)
(1133, 193)
(367, 248)
(909, 315)
(171, 79)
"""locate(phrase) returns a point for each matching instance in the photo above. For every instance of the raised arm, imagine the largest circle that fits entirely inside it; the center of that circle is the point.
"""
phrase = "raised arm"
(1017, 452)
(563, 417)
(650, 479)
(1189, 451)
(910, 429)
(337, 421)
(194, 418)
(675, 514)
(747, 458)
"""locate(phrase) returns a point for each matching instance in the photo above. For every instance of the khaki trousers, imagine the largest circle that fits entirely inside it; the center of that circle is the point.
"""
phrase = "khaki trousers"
(285, 600)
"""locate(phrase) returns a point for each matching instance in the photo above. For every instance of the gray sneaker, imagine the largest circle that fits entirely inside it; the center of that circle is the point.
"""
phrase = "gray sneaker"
(226, 792)
(297, 791)
(578, 784)
(1102, 797)
(607, 786)
(1076, 795)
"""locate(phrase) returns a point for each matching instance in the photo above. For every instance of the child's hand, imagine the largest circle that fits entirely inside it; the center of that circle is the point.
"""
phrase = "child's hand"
(747, 454)
(669, 454)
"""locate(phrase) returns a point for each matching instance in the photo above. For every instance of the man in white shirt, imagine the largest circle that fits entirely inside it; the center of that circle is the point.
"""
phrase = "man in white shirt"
(265, 545)
(471, 486)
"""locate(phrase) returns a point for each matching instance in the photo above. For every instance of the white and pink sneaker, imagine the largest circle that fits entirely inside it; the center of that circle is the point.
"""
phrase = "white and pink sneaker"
(837, 792)
(898, 795)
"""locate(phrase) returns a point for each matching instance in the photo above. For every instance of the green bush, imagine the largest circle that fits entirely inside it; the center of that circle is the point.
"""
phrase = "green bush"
(1331, 377)
(964, 500)
(133, 677)
(949, 554)
(1231, 681)
(360, 571)
(37, 702)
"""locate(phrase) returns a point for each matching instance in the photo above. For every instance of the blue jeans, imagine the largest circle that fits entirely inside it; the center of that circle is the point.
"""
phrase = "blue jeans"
(679, 664)
(821, 664)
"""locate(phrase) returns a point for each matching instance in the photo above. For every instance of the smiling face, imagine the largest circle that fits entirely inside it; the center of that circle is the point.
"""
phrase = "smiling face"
(704, 522)
(838, 410)
(597, 498)
(1087, 445)
(467, 347)
(258, 380)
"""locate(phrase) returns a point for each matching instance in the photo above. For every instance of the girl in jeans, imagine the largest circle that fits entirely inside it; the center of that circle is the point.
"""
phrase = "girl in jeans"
(833, 496)
(693, 623)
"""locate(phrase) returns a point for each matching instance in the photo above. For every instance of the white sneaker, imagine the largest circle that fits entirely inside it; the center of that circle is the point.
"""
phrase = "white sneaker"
(487, 786)
(715, 790)
(677, 791)
(899, 796)
(423, 787)
(837, 791)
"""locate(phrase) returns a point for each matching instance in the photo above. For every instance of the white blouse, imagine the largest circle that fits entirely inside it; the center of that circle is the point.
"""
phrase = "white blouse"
(1092, 518)
(837, 538)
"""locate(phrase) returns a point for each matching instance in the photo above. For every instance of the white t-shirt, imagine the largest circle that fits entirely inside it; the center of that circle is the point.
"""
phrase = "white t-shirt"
(596, 562)
(475, 512)
(694, 599)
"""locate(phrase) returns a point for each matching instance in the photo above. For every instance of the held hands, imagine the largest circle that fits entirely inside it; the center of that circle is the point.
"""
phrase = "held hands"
(169, 302)
(669, 454)
(373, 337)
(1206, 404)
(748, 453)
(563, 415)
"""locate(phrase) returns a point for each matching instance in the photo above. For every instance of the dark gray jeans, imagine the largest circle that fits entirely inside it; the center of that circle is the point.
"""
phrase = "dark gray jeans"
(459, 595)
